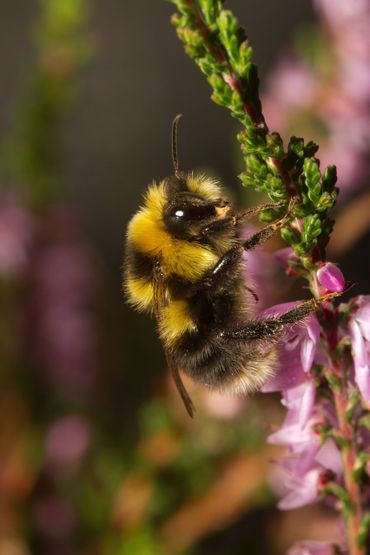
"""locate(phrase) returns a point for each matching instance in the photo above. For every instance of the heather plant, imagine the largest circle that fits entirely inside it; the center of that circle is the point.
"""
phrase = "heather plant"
(324, 373)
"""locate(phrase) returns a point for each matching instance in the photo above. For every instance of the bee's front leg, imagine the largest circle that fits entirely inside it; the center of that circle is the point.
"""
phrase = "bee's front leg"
(250, 212)
(268, 231)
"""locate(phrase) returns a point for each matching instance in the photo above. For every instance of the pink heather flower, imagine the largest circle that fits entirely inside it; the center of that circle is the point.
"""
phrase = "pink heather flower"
(304, 490)
(312, 548)
(329, 457)
(309, 461)
(284, 256)
(296, 352)
(309, 470)
(299, 401)
(309, 342)
(330, 277)
(16, 234)
(359, 329)
(298, 432)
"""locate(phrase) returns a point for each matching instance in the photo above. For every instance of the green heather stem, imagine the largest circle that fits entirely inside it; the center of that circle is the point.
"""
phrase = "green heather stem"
(345, 436)
(337, 375)
(353, 517)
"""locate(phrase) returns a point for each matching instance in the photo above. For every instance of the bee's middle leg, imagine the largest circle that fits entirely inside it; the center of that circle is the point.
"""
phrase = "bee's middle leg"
(225, 267)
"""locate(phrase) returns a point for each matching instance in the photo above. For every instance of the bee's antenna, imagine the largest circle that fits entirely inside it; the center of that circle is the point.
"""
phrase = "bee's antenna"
(175, 159)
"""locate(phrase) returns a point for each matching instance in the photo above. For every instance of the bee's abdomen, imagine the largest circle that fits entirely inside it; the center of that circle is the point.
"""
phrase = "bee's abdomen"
(224, 364)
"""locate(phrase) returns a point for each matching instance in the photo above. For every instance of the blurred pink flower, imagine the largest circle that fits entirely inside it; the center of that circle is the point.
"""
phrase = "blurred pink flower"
(16, 235)
(329, 100)
(221, 405)
(55, 518)
(284, 256)
(67, 440)
(342, 13)
(259, 274)
(312, 548)
(62, 323)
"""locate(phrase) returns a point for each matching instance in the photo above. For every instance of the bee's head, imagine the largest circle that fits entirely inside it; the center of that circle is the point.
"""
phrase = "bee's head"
(194, 209)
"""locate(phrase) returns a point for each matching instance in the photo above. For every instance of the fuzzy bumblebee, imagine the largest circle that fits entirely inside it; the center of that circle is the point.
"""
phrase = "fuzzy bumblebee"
(184, 263)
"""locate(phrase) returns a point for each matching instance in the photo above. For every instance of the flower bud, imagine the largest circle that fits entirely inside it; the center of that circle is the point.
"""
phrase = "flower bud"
(330, 277)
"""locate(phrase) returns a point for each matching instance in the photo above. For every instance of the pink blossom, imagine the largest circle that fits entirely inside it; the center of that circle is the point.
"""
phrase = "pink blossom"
(312, 548)
(332, 95)
(303, 490)
(363, 315)
(221, 405)
(330, 277)
(16, 235)
(296, 352)
(328, 457)
(299, 401)
(292, 86)
(309, 342)
(298, 432)
(284, 256)
(62, 326)
(67, 440)
(343, 13)
(309, 469)
(359, 329)
(65, 328)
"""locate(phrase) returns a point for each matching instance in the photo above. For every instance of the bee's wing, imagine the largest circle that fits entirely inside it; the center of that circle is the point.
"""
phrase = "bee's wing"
(160, 301)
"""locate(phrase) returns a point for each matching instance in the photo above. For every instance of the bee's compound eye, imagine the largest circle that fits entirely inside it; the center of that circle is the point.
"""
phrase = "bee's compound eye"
(191, 211)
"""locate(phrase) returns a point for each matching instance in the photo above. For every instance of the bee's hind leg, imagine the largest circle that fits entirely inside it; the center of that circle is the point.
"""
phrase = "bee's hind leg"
(272, 327)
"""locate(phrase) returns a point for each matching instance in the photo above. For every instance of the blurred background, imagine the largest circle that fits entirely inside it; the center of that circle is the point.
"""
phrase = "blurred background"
(97, 454)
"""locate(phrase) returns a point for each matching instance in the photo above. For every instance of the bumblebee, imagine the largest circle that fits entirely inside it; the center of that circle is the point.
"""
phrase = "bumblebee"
(184, 263)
